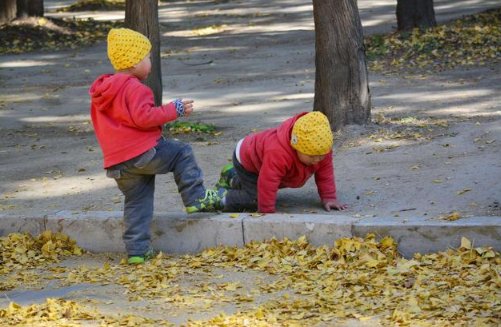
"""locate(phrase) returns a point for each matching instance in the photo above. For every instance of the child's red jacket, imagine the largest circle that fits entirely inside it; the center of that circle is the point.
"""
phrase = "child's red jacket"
(269, 155)
(124, 116)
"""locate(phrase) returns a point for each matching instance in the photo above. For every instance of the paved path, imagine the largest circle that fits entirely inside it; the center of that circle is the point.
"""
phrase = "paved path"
(261, 70)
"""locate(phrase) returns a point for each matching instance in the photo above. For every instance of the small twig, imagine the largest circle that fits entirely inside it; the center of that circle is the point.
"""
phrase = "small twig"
(7, 297)
(199, 64)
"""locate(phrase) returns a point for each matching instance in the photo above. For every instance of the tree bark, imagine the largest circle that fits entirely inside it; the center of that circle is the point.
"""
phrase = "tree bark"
(29, 8)
(7, 11)
(142, 16)
(341, 79)
(415, 13)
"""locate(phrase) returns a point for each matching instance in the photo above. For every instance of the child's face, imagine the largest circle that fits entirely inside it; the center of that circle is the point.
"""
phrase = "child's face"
(143, 69)
(308, 160)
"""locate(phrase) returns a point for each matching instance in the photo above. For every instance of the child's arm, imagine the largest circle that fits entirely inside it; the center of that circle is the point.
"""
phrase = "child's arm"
(333, 204)
(268, 183)
(326, 185)
(144, 114)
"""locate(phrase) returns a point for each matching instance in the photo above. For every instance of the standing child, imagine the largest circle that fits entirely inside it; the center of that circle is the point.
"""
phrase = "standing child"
(284, 156)
(128, 127)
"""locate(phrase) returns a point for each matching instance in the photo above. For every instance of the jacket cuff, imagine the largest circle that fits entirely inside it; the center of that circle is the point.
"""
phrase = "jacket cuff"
(179, 107)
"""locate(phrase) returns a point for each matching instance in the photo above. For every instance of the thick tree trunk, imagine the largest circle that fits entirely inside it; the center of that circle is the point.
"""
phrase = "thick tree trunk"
(415, 13)
(29, 8)
(341, 80)
(7, 11)
(142, 16)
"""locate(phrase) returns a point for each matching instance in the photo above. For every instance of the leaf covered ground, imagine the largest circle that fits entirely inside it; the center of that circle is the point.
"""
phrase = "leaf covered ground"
(471, 40)
(51, 34)
(356, 279)
(95, 5)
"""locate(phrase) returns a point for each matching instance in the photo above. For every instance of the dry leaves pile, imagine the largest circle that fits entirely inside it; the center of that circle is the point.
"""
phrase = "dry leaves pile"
(362, 279)
(19, 251)
(95, 5)
(57, 312)
(473, 40)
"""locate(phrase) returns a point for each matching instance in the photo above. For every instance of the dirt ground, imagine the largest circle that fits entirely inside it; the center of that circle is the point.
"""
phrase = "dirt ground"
(433, 150)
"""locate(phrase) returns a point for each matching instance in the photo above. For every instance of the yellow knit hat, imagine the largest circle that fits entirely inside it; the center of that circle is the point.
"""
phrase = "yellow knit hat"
(312, 135)
(126, 47)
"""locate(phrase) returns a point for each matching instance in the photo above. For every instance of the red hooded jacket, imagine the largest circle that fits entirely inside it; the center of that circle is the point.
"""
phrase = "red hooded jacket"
(124, 116)
(270, 155)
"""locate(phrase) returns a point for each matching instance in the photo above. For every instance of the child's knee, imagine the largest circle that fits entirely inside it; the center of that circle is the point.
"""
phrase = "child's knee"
(186, 149)
(187, 153)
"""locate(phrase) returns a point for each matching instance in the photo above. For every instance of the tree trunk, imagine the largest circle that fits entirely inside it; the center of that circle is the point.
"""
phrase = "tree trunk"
(7, 11)
(142, 16)
(341, 80)
(415, 13)
(29, 8)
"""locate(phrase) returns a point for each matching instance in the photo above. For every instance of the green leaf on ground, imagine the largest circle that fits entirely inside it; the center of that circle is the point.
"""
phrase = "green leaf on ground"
(180, 127)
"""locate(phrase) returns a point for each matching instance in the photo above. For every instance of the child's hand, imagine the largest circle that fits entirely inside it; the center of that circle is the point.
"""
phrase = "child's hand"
(188, 107)
(334, 204)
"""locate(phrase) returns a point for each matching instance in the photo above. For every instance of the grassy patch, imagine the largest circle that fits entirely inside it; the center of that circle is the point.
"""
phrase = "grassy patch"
(181, 127)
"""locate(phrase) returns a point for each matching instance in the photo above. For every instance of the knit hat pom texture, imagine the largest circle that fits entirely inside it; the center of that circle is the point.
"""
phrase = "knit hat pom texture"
(127, 47)
(312, 135)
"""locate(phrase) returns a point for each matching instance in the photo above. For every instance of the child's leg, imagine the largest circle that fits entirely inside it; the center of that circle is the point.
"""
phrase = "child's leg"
(178, 158)
(244, 196)
(136, 180)
(138, 210)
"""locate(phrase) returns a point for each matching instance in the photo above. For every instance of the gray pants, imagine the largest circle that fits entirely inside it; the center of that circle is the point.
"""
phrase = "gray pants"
(136, 179)
(243, 195)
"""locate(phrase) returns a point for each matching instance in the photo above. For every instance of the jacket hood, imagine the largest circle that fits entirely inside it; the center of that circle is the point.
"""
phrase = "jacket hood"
(284, 131)
(105, 88)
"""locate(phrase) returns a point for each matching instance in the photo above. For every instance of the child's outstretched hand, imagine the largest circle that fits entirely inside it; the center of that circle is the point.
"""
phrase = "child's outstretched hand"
(188, 106)
(334, 204)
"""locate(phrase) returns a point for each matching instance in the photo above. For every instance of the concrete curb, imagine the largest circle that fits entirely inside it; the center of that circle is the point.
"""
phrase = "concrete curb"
(101, 231)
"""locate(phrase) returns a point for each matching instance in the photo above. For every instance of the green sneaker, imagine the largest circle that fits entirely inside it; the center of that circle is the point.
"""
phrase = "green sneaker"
(140, 259)
(227, 174)
(210, 202)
